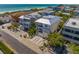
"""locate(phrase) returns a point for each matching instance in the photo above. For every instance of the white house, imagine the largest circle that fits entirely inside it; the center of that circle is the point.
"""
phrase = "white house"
(47, 24)
(71, 30)
(25, 20)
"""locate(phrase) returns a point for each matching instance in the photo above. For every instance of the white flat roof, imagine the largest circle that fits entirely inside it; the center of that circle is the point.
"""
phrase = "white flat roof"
(44, 21)
(21, 17)
(70, 22)
(48, 20)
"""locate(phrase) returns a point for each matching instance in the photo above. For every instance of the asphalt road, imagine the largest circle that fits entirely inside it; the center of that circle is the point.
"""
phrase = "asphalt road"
(16, 45)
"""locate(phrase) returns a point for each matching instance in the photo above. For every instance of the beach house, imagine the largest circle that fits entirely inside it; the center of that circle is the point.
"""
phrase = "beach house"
(71, 30)
(58, 8)
(25, 20)
(46, 12)
(47, 25)
(68, 9)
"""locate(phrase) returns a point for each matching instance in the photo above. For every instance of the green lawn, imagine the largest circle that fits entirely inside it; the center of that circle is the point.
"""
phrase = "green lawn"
(5, 49)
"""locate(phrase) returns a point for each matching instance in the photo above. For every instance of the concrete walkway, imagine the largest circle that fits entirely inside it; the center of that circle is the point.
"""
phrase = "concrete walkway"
(25, 41)
(38, 40)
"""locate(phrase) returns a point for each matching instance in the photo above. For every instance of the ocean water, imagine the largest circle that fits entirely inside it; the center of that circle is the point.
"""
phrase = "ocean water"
(20, 7)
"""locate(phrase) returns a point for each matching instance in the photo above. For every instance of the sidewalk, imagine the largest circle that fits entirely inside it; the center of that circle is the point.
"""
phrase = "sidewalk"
(25, 41)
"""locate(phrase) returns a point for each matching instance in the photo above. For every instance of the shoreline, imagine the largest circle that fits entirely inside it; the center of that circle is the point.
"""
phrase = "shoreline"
(21, 10)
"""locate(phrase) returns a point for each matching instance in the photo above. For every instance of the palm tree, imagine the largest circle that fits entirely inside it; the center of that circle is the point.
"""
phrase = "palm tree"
(32, 30)
(73, 48)
(14, 25)
(61, 25)
(55, 39)
(56, 43)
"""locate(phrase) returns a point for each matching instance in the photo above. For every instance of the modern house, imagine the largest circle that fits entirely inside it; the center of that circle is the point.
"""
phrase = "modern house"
(71, 30)
(25, 20)
(46, 12)
(68, 9)
(47, 25)
(58, 8)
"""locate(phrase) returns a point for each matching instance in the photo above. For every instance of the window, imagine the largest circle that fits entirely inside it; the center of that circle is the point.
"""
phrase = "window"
(71, 31)
(77, 32)
(25, 20)
(76, 38)
(68, 30)
(67, 35)
(46, 25)
(40, 25)
(40, 30)
(25, 24)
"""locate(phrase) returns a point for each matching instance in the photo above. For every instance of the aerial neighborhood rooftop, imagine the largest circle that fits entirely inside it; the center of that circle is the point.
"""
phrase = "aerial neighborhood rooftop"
(43, 30)
(71, 29)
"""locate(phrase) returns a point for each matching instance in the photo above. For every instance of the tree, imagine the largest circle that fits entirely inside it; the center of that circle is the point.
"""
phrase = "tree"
(61, 24)
(73, 48)
(72, 14)
(14, 25)
(55, 39)
(32, 30)
(65, 18)
(56, 42)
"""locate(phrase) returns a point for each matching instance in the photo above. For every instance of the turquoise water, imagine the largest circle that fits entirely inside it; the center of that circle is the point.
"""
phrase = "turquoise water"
(19, 7)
